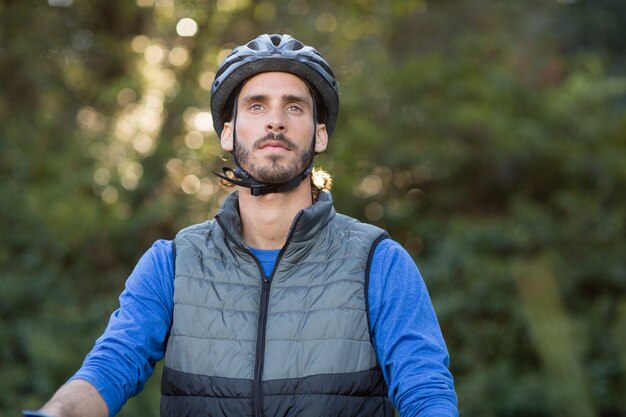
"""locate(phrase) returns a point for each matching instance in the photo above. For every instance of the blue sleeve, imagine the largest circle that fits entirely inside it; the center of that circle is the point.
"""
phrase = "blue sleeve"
(123, 358)
(407, 337)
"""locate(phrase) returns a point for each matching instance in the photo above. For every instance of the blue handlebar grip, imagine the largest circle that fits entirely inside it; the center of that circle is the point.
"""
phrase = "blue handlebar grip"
(32, 413)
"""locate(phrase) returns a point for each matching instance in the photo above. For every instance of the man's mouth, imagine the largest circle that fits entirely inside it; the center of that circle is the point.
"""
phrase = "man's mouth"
(275, 142)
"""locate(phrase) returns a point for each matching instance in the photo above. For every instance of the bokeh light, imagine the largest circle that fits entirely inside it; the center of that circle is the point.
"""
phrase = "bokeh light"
(231, 5)
(190, 184)
(187, 27)
(90, 119)
(205, 80)
(203, 121)
(194, 139)
(126, 96)
(326, 22)
(60, 3)
(142, 143)
(102, 176)
(154, 54)
(178, 56)
(374, 211)
(140, 43)
(109, 195)
(370, 186)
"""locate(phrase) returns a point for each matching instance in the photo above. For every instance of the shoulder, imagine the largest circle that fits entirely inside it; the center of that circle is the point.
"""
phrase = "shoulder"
(158, 256)
(196, 229)
(153, 276)
(195, 237)
(353, 226)
(392, 267)
(391, 252)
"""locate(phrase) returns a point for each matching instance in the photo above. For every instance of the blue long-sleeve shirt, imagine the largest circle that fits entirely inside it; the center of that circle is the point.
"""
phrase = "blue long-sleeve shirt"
(404, 328)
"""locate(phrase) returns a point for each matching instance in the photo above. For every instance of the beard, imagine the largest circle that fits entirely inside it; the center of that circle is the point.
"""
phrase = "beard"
(276, 169)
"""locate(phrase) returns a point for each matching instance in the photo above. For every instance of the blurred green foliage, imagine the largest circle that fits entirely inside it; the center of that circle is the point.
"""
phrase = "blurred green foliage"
(488, 137)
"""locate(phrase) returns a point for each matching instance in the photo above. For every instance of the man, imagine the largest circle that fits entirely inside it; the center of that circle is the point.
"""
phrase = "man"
(278, 306)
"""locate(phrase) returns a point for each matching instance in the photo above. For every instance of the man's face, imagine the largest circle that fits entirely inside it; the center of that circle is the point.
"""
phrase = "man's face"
(275, 128)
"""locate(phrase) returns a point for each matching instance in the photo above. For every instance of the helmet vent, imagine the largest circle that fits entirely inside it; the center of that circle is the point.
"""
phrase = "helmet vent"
(276, 40)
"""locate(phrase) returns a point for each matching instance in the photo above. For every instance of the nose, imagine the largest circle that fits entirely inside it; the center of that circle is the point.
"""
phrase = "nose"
(275, 121)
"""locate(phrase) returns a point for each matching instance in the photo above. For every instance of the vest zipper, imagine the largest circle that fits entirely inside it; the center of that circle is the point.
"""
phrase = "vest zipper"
(257, 388)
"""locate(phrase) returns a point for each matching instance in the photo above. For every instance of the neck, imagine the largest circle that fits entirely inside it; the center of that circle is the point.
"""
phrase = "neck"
(266, 219)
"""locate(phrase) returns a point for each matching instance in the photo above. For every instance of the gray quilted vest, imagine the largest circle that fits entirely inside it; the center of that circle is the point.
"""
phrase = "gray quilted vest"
(296, 343)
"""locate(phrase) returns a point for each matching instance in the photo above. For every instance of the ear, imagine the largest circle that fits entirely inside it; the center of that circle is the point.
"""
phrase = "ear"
(321, 138)
(226, 138)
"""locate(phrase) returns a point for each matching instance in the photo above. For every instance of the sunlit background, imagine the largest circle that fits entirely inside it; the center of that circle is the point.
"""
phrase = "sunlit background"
(488, 137)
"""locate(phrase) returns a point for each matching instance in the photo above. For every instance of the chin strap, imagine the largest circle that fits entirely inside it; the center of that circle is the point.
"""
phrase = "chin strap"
(241, 178)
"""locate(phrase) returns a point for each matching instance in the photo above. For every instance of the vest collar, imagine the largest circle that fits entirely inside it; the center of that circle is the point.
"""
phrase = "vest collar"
(307, 223)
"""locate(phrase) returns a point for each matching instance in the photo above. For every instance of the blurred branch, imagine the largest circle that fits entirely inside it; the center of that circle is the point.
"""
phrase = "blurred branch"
(551, 329)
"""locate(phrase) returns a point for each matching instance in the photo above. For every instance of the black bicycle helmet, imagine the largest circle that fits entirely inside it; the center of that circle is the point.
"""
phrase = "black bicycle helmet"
(274, 53)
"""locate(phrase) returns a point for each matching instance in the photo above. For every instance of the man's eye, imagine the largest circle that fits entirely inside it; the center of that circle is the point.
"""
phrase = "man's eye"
(295, 109)
(256, 107)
